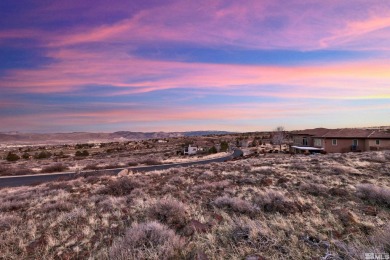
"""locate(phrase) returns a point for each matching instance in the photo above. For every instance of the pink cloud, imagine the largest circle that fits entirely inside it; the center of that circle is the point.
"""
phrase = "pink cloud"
(255, 24)
(75, 69)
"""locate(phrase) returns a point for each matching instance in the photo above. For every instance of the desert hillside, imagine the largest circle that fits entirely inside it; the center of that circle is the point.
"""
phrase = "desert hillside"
(334, 206)
(80, 137)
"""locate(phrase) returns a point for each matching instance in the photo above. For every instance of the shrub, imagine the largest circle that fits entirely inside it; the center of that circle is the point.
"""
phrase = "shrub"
(224, 146)
(58, 167)
(112, 166)
(213, 150)
(81, 146)
(26, 156)
(150, 240)
(120, 187)
(12, 157)
(314, 189)
(273, 201)
(91, 167)
(206, 175)
(132, 164)
(373, 193)
(151, 162)
(376, 157)
(170, 212)
(21, 171)
(177, 180)
(4, 170)
(82, 154)
(42, 155)
(235, 204)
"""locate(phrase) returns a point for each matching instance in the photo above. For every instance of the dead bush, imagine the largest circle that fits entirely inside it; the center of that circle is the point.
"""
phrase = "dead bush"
(120, 187)
(151, 162)
(206, 175)
(5, 171)
(58, 167)
(373, 193)
(338, 192)
(273, 201)
(64, 185)
(376, 157)
(170, 212)
(133, 163)
(150, 240)
(242, 232)
(177, 180)
(112, 166)
(92, 167)
(297, 166)
(235, 204)
(314, 189)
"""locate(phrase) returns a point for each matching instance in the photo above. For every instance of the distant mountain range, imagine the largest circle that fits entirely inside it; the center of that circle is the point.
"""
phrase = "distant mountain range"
(84, 137)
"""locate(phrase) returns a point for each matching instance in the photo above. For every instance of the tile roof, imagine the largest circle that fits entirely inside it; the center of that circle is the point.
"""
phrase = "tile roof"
(314, 132)
(379, 135)
(347, 133)
(344, 133)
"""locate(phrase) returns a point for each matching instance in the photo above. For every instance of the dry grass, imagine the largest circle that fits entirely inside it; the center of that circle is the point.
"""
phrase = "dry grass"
(275, 207)
(151, 240)
(373, 193)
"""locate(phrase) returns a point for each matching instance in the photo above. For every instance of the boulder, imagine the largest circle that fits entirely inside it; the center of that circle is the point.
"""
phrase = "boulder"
(123, 172)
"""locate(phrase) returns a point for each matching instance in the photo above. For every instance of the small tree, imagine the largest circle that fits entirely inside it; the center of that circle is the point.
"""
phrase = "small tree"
(26, 156)
(42, 155)
(279, 136)
(224, 146)
(213, 150)
(12, 157)
(82, 153)
(254, 143)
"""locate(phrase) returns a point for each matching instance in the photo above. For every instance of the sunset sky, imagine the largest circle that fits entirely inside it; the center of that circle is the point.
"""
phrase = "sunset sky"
(172, 65)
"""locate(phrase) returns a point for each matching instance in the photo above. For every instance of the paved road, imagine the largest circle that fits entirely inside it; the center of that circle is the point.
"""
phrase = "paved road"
(15, 181)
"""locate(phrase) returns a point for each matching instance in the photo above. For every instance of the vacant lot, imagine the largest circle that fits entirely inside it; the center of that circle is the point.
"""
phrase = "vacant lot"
(334, 206)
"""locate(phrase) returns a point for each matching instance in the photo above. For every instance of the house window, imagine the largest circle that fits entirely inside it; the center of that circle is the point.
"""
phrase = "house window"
(377, 142)
(355, 142)
(317, 142)
(304, 141)
(334, 141)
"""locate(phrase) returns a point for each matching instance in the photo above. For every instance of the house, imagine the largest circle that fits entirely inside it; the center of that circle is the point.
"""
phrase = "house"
(190, 150)
(339, 140)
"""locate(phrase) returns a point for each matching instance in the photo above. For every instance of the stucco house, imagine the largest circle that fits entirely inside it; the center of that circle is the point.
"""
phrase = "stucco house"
(339, 140)
(190, 150)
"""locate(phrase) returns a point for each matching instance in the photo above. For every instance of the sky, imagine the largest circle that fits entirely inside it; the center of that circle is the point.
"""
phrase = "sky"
(173, 65)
